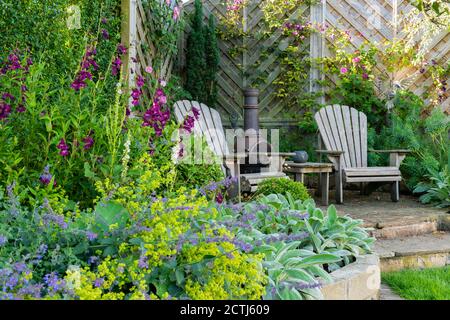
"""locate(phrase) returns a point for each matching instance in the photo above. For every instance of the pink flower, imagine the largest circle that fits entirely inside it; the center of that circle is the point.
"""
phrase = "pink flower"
(344, 70)
(149, 69)
(176, 13)
(163, 83)
(356, 60)
(365, 76)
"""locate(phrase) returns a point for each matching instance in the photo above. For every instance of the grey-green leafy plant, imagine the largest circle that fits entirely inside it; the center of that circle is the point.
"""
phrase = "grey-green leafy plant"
(437, 190)
(301, 243)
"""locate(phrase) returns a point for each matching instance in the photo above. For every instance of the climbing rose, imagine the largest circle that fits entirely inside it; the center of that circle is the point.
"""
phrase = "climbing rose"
(149, 69)
(176, 13)
(344, 70)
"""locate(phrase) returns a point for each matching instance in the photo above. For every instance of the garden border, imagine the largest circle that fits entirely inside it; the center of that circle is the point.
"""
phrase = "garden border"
(360, 280)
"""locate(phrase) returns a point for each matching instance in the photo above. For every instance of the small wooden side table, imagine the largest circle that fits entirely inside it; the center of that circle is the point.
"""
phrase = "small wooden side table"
(300, 169)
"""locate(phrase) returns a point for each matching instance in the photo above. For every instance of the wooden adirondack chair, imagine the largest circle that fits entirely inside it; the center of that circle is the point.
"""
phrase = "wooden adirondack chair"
(343, 131)
(210, 126)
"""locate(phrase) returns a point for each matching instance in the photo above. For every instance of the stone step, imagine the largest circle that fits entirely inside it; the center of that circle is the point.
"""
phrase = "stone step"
(423, 251)
(406, 230)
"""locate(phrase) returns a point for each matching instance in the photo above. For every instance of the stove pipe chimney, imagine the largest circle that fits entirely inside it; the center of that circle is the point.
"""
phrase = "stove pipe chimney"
(251, 110)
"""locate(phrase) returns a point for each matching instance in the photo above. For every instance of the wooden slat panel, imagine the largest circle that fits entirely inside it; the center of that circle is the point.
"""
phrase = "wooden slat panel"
(363, 138)
(220, 132)
(356, 136)
(349, 134)
(342, 135)
(372, 171)
(334, 129)
(374, 179)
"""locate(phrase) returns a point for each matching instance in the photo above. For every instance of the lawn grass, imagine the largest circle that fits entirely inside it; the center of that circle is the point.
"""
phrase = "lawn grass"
(427, 284)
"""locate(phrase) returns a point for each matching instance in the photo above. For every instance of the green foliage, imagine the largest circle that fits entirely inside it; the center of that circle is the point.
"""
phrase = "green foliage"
(212, 57)
(426, 284)
(47, 35)
(166, 26)
(202, 58)
(356, 92)
(283, 186)
(117, 252)
(197, 175)
(291, 86)
(426, 136)
(437, 190)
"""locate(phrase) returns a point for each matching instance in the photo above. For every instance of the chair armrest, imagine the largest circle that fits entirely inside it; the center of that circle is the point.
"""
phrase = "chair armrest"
(234, 156)
(272, 154)
(399, 151)
(395, 156)
(333, 153)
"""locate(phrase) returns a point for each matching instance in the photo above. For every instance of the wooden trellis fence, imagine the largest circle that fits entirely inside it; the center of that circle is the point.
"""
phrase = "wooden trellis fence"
(136, 29)
(253, 67)
(373, 20)
(380, 20)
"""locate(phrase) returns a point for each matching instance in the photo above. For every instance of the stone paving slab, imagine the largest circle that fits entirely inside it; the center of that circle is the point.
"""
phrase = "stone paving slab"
(438, 242)
(386, 293)
(378, 211)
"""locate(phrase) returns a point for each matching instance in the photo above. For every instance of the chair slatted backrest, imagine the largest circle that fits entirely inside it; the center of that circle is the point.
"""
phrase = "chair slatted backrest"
(209, 124)
(344, 128)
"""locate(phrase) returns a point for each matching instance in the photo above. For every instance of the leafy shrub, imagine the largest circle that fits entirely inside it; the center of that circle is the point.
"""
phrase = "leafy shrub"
(190, 173)
(61, 48)
(202, 58)
(426, 136)
(283, 186)
(132, 245)
(437, 190)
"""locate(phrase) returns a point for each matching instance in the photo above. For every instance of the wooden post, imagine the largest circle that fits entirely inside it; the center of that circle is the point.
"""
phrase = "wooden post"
(317, 49)
(129, 39)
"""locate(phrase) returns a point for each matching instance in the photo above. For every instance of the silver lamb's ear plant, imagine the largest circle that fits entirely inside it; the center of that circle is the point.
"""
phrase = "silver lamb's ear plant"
(301, 244)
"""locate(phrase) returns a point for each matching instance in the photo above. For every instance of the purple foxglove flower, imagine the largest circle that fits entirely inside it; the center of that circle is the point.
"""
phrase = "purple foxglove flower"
(140, 81)
(219, 198)
(196, 113)
(5, 110)
(88, 142)
(121, 49)
(105, 34)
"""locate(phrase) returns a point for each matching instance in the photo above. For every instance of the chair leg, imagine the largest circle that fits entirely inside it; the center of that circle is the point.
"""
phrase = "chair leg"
(395, 191)
(339, 187)
(324, 187)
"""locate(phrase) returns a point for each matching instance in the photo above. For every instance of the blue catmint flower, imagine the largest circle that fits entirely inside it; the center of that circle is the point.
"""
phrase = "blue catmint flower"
(98, 282)
(143, 263)
(20, 267)
(12, 282)
(91, 235)
(93, 259)
(3, 240)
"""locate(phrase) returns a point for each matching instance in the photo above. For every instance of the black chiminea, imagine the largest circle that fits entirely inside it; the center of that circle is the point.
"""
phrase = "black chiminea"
(255, 145)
